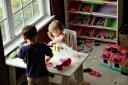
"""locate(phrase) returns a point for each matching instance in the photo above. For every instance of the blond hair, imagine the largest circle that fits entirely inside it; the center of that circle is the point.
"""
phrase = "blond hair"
(55, 25)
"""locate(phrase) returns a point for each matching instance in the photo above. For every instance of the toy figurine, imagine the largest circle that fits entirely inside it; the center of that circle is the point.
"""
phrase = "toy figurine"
(87, 8)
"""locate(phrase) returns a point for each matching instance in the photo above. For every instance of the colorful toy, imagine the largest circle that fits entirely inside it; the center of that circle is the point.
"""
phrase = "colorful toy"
(115, 58)
(59, 67)
(64, 62)
(87, 8)
(57, 47)
(12, 55)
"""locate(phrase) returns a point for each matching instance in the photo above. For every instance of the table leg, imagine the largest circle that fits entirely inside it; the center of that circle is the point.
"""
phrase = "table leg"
(79, 74)
(12, 75)
(65, 80)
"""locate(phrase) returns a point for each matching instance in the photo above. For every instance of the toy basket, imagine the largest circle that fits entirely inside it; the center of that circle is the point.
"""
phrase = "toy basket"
(123, 37)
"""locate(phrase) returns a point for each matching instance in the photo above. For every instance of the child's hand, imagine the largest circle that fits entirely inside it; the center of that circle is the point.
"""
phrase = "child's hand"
(50, 43)
(47, 59)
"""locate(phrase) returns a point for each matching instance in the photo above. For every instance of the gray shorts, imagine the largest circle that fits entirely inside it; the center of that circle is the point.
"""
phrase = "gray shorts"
(38, 81)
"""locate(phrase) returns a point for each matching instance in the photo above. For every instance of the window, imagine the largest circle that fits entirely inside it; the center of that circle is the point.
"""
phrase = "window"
(3, 22)
(14, 14)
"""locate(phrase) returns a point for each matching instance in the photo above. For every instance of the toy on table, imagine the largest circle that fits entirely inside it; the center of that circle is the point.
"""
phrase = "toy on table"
(64, 62)
(12, 55)
(57, 47)
(49, 64)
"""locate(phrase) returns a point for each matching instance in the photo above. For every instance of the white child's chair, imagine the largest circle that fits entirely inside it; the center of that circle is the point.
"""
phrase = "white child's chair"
(71, 38)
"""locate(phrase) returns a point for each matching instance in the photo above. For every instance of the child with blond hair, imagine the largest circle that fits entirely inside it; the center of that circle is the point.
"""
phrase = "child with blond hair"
(55, 32)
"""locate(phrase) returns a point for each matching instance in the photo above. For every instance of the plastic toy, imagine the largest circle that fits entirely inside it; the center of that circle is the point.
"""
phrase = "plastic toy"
(87, 8)
(12, 55)
(64, 62)
(92, 72)
(115, 58)
(57, 47)
(67, 62)
(59, 67)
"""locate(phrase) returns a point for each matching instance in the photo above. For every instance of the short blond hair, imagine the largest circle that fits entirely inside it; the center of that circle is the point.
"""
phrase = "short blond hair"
(55, 25)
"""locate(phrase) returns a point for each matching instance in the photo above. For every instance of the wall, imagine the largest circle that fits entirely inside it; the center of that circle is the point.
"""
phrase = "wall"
(3, 68)
(58, 9)
(42, 35)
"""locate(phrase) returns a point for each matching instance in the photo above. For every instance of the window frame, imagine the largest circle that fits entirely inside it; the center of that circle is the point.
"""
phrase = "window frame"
(45, 4)
(39, 22)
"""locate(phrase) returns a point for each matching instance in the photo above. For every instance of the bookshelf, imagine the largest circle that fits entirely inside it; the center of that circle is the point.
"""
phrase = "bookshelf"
(94, 19)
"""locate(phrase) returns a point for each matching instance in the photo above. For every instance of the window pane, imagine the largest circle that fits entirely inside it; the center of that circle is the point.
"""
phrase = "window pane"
(16, 4)
(3, 22)
(1, 11)
(36, 8)
(18, 21)
(25, 2)
(27, 13)
(3, 30)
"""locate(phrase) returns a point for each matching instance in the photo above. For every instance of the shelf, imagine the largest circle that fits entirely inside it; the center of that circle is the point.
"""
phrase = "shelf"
(105, 9)
(94, 19)
(105, 40)
(98, 27)
(107, 15)
(86, 37)
(98, 39)
(112, 2)
(78, 12)
(94, 13)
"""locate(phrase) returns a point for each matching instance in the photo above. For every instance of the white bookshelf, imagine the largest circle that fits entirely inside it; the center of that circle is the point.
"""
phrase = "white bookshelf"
(103, 16)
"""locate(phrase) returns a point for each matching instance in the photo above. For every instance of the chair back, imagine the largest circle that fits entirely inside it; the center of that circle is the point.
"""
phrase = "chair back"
(71, 38)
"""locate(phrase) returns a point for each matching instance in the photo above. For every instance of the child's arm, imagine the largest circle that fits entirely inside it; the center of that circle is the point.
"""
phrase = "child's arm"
(48, 52)
(48, 58)
(57, 40)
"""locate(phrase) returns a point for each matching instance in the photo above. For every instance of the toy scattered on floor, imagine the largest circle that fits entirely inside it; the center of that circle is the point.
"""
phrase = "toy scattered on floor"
(85, 46)
(115, 58)
(92, 72)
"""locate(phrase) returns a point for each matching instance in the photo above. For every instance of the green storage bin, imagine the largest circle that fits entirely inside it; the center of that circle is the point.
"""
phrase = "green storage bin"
(112, 23)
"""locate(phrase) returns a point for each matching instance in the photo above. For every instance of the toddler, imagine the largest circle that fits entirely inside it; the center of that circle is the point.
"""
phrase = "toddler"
(55, 32)
(33, 54)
